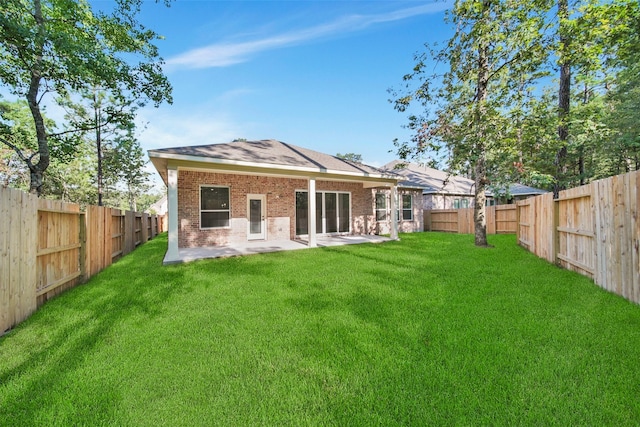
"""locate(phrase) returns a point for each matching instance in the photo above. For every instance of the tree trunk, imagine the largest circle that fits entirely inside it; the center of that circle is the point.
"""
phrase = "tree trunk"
(564, 101)
(98, 123)
(480, 169)
(37, 170)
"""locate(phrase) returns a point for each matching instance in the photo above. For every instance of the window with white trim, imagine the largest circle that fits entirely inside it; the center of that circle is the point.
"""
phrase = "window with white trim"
(404, 208)
(215, 208)
(381, 207)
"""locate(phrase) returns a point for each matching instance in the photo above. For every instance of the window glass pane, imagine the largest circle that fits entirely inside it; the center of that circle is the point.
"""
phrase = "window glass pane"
(255, 216)
(331, 212)
(318, 213)
(215, 219)
(406, 201)
(456, 204)
(381, 207)
(214, 198)
(465, 203)
(343, 212)
(302, 213)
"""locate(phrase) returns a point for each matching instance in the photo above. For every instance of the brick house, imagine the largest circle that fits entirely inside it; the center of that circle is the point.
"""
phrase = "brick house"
(226, 194)
(442, 190)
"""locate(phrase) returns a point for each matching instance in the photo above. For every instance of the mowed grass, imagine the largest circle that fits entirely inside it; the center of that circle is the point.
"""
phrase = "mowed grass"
(429, 330)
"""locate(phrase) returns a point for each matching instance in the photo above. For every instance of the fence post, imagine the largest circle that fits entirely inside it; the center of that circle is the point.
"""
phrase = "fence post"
(554, 230)
(82, 253)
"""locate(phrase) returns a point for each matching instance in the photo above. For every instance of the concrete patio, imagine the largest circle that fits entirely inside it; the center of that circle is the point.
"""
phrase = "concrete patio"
(263, 246)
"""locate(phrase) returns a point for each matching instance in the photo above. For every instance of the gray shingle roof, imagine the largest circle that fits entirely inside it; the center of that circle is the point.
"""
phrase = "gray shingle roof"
(431, 180)
(434, 181)
(271, 152)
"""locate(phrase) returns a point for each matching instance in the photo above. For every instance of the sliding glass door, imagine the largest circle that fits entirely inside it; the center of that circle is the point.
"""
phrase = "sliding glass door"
(333, 212)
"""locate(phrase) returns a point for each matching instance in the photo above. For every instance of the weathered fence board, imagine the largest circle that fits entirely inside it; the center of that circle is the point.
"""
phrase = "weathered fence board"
(592, 229)
(47, 246)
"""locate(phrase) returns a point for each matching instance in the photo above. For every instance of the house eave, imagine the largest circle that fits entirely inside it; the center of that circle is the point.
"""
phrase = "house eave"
(164, 160)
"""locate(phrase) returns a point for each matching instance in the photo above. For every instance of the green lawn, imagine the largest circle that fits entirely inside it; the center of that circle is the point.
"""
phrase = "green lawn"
(426, 331)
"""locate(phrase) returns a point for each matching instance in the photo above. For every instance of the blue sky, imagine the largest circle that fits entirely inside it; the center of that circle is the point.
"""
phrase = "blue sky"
(309, 73)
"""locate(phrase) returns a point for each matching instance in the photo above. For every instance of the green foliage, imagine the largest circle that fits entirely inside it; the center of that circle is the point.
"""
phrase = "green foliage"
(63, 47)
(429, 330)
(127, 163)
(488, 65)
(518, 127)
(352, 157)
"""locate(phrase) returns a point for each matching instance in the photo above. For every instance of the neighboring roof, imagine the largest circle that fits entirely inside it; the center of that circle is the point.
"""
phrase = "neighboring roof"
(159, 207)
(265, 154)
(524, 190)
(434, 181)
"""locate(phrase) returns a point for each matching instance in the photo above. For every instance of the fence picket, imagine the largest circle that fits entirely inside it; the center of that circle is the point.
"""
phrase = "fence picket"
(47, 246)
(598, 231)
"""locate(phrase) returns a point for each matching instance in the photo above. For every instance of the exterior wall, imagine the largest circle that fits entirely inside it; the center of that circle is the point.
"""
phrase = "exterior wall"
(443, 201)
(415, 225)
(280, 201)
(362, 217)
(446, 201)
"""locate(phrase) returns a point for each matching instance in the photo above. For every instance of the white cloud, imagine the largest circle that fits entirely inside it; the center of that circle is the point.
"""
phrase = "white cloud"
(225, 54)
(178, 129)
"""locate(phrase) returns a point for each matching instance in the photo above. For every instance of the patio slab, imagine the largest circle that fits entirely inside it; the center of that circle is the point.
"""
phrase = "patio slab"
(263, 246)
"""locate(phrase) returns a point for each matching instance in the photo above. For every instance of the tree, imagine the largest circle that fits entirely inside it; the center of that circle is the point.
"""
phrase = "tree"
(494, 45)
(15, 127)
(62, 47)
(127, 161)
(592, 35)
(104, 115)
(351, 157)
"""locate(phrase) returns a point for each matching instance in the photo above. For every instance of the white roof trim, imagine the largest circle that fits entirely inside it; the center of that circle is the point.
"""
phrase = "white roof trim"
(213, 160)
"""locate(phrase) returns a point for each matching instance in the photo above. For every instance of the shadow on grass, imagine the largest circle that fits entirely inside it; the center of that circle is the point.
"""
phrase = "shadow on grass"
(37, 356)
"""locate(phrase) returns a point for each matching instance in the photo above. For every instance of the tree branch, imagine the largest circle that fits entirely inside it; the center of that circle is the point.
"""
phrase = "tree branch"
(25, 159)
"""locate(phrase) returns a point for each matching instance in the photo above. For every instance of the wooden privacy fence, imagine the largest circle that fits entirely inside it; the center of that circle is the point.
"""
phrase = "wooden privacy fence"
(47, 246)
(501, 219)
(593, 230)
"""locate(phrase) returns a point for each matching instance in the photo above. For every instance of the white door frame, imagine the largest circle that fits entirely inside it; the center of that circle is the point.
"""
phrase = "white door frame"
(263, 217)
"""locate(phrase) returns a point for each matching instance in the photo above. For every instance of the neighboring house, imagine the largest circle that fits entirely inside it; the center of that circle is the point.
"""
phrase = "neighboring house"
(222, 194)
(442, 190)
(160, 207)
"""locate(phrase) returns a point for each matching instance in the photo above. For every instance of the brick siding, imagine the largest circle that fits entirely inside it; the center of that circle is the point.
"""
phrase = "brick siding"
(280, 195)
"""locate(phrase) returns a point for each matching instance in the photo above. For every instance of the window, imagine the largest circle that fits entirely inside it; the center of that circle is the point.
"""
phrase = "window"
(456, 203)
(215, 209)
(407, 207)
(381, 207)
(344, 214)
(404, 208)
(464, 203)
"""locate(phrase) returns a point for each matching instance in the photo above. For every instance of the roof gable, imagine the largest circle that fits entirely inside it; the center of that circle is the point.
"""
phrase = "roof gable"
(269, 153)
(436, 181)
(431, 180)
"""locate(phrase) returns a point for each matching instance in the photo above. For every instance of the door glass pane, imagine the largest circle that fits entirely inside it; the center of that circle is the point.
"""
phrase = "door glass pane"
(343, 212)
(302, 212)
(319, 213)
(255, 216)
(331, 212)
